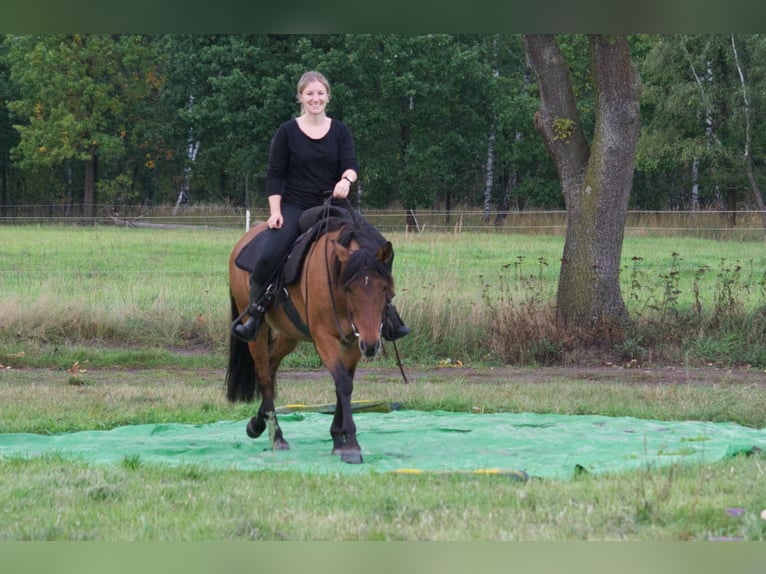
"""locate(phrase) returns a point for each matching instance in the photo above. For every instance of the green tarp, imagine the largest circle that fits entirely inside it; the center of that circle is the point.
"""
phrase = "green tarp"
(540, 445)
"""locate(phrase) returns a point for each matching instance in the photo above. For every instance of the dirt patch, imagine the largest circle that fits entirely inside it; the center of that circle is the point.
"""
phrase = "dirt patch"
(532, 375)
(486, 375)
(655, 376)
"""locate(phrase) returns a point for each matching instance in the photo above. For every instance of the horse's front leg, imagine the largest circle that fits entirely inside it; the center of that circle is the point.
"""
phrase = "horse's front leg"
(341, 360)
(343, 428)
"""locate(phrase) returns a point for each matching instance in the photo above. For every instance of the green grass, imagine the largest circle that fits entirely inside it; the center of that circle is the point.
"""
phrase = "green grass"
(53, 499)
(63, 400)
(105, 326)
(470, 296)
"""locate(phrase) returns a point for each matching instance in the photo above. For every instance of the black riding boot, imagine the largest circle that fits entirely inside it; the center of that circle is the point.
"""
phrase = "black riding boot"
(259, 302)
(393, 326)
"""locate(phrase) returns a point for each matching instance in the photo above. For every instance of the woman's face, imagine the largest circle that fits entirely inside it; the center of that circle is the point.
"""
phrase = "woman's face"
(314, 98)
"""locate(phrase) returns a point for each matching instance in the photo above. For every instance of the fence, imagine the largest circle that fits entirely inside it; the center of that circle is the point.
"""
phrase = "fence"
(725, 225)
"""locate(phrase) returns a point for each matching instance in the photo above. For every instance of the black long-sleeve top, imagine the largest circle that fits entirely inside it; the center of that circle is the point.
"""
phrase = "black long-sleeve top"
(300, 168)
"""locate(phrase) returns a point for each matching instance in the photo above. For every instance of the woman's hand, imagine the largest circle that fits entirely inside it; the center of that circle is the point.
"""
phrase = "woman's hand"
(341, 189)
(275, 221)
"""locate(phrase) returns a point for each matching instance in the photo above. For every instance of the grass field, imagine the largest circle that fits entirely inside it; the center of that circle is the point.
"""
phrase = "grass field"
(140, 501)
(106, 326)
(468, 296)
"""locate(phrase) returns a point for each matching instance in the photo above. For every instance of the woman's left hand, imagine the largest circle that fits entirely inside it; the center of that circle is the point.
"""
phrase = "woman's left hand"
(341, 189)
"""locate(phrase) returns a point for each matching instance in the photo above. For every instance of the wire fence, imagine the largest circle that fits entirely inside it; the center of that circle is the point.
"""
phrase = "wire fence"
(723, 225)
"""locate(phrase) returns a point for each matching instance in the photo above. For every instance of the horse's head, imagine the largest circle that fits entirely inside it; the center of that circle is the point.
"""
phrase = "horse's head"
(368, 286)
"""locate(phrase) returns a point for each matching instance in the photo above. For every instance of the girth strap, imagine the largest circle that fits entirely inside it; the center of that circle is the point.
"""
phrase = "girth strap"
(292, 313)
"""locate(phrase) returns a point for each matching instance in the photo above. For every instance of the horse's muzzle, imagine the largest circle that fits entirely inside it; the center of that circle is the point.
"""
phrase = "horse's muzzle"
(369, 350)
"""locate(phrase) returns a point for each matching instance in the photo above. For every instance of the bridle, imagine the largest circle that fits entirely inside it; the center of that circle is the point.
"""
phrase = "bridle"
(325, 222)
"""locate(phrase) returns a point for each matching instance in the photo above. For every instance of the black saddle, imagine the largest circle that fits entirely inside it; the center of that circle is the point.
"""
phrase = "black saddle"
(313, 223)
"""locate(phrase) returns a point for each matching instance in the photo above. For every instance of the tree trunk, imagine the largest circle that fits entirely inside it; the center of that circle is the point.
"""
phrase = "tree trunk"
(756, 191)
(511, 179)
(595, 178)
(695, 203)
(731, 207)
(69, 190)
(183, 192)
(412, 221)
(490, 175)
(695, 199)
(89, 197)
(6, 194)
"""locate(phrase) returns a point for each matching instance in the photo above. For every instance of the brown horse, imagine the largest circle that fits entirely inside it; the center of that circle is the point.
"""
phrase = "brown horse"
(337, 303)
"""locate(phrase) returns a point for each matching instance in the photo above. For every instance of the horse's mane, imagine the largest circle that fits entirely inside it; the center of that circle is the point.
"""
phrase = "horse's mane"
(369, 240)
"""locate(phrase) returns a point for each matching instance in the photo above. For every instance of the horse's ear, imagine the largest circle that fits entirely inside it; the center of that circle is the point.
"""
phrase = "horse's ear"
(341, 252)
(385, 253)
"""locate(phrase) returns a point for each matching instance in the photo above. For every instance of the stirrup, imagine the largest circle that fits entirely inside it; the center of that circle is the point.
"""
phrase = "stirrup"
(246, 331)
(393, 326)
(256, 309)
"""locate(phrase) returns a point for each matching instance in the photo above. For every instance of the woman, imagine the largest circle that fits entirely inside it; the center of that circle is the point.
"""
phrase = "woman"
(309, 155)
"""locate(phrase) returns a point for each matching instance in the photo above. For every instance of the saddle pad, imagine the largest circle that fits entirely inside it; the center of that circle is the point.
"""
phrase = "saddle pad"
(247, 257)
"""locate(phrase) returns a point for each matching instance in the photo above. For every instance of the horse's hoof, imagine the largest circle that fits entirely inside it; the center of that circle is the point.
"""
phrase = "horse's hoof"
(254, 430)
(280, 444)
(351, 456)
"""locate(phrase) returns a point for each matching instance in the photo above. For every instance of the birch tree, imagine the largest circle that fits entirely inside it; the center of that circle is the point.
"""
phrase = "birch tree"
(703, 101)
(747, 155)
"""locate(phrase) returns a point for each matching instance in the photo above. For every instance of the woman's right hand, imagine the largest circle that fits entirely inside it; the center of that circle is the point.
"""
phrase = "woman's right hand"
(275, 221)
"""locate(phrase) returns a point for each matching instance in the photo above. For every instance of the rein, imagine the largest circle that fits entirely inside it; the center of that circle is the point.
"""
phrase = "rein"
(325, 221)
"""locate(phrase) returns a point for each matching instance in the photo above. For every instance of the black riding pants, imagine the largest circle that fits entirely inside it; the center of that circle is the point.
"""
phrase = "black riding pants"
(276, 244)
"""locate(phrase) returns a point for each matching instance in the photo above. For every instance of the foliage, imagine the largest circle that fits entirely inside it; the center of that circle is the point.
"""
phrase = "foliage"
(164, 109)
(694, 128)
(81, 96)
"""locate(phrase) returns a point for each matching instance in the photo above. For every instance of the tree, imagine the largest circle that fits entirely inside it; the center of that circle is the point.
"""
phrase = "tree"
(418, 109)
(8, 136)
(522, 173)
(75, 93)
(748, 147)
(595, 176)
(703, 98)
(231, 92)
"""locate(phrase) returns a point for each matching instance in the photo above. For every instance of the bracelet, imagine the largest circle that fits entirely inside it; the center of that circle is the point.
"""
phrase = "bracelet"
(348, 179)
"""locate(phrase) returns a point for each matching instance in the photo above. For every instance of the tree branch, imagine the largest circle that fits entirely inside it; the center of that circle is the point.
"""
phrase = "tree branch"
(557, 119)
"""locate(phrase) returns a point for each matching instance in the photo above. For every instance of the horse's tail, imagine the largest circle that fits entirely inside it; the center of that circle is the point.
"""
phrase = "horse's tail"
(240, 374)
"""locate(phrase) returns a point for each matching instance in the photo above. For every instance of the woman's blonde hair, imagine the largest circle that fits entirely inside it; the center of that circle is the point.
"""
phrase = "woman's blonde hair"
(307, 78)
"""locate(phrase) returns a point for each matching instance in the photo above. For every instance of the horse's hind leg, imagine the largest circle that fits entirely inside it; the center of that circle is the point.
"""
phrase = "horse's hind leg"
(266, 418)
